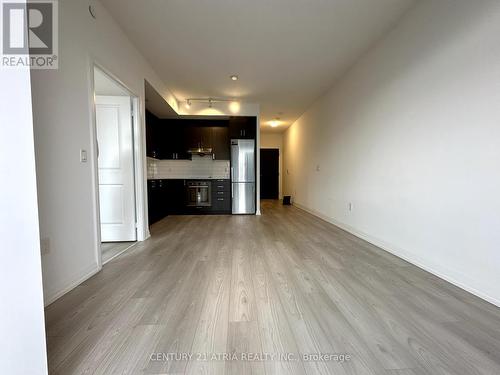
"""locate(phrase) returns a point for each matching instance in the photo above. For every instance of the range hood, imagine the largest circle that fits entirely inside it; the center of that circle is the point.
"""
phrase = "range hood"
(200, 151)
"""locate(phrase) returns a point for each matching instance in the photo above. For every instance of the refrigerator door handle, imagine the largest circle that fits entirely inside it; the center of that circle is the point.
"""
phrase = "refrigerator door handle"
(232, 178)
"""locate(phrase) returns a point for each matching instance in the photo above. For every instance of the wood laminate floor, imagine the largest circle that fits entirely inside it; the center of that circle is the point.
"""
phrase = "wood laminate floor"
(109, 250)
(220, 287)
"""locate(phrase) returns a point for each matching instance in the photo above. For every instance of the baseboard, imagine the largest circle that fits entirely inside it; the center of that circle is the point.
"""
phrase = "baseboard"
(403, 254)
(86, 274)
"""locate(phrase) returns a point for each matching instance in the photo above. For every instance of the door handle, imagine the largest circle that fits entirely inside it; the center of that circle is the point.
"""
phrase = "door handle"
(231, 173)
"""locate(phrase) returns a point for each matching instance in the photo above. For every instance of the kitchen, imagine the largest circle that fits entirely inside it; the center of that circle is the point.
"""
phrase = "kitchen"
(200, 165)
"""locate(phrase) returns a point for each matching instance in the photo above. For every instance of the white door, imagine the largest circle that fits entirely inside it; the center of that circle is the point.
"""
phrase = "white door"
(116, 168)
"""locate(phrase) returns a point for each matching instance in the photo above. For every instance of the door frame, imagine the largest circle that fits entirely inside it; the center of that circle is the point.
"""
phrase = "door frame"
(138, 161)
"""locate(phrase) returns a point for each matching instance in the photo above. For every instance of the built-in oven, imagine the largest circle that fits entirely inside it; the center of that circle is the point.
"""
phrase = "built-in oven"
(199, 193)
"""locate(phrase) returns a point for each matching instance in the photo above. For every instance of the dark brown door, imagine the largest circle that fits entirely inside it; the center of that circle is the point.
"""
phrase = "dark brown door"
(269, 173)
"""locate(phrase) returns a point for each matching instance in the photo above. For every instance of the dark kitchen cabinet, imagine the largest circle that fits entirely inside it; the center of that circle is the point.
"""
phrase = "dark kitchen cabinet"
(153, 136)
(220, 145)
(172, 138)
(168, 197)
(176, 197)
(221, 196)
(242, 127)
(165, 197)
(199, 136)
(160, 142)
(176, 142)
(157, 200)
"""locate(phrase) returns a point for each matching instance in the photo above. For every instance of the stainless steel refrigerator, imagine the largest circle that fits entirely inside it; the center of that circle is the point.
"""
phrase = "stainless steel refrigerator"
(243, 176)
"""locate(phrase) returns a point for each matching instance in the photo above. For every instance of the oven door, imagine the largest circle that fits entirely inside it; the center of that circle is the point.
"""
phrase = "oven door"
(199, 196)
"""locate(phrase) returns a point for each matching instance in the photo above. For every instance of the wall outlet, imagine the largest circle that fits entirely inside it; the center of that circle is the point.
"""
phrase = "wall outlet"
(350, 206)
(317, 168)
(45, 246)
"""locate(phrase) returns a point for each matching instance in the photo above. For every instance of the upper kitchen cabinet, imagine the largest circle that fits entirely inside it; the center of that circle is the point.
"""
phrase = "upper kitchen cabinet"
(199, 136)
(152, 146)
(242, 127)
(220, 144)
(176, 141)
(173, 138)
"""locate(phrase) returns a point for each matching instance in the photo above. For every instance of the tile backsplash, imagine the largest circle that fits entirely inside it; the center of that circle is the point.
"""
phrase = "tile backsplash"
(199, 167)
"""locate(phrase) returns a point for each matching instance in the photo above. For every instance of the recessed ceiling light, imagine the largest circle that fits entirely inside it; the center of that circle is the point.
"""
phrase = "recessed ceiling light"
(274, 123)
(234, 77)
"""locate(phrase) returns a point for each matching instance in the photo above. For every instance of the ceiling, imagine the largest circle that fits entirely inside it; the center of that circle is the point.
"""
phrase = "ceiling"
(105, 85)
(285, 52)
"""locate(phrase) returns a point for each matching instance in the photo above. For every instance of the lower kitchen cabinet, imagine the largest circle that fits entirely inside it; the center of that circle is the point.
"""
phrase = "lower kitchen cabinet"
(168, 197)
(176, 197)
(157, 202)
(221, 196)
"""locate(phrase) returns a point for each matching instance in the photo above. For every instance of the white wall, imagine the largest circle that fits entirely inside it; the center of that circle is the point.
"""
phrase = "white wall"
(22, 331)
(63, 112)
(411, 136)
(274, 140)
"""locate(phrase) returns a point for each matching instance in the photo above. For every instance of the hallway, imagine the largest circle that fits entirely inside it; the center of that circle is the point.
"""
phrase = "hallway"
(284, 282)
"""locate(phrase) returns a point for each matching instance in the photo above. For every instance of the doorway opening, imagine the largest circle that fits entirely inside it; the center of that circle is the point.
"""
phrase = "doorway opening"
(269, 173)
(115, 110)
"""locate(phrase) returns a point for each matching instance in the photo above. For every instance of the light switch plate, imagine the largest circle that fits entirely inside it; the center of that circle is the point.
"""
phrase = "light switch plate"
(83, 156)
(45, 246)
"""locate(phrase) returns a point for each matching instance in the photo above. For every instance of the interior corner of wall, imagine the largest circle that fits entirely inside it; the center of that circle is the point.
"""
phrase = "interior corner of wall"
(88, 272)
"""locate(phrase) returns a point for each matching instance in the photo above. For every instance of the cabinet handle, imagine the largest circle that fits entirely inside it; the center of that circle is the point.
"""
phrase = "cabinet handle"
(220, 199)
(220, 186)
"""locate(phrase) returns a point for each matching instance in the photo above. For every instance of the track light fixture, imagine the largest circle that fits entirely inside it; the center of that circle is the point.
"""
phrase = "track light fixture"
(234, 105)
